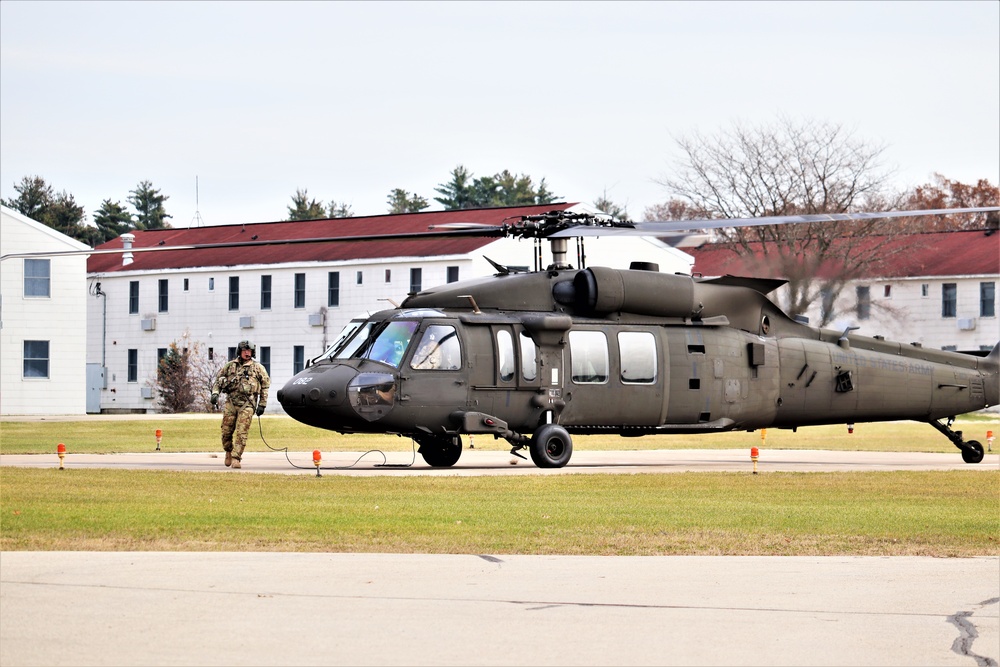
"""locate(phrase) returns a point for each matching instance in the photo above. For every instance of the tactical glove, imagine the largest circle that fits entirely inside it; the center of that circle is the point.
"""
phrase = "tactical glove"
(215, 398)
(260, 410)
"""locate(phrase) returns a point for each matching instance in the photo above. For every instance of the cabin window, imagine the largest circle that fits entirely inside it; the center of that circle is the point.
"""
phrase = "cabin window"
(438, 350)
(589, 351)
(529, 360)
(637, 353)
(505, 355)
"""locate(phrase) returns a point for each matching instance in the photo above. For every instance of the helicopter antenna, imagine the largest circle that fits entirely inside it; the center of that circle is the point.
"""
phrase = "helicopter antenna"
(196, 221)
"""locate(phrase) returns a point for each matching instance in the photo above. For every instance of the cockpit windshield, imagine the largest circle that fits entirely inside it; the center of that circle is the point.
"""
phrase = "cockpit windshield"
(359, 327)
(385, 344)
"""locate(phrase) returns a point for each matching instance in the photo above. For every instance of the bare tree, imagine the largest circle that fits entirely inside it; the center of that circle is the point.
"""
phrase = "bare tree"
(184, 378)
(791, 169)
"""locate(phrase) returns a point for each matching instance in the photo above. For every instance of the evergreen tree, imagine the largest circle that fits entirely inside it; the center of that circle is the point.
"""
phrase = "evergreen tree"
(112, 220)
(304, 209)
(148, 203)
(401, 201)
(501, 189)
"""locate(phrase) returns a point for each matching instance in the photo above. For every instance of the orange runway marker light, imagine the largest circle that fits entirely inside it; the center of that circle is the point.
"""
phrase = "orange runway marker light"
(317, 459)
(754, 453)
(989, 441)
(159, 437)
(61, 451)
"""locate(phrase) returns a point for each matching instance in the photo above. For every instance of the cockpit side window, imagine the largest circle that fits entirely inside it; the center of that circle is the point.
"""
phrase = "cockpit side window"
(529, 360)
(439, 349)
(505, 356)
(388, 344)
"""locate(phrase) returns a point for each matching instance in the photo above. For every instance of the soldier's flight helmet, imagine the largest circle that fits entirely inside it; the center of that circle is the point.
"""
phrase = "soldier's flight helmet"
(246, 345)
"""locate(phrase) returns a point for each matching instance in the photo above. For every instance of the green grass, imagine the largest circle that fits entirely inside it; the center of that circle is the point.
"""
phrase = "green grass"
(100, 435)
(885, 513)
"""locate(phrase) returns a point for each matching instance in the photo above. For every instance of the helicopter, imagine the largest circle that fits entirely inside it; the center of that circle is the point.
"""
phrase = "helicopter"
(535, 357)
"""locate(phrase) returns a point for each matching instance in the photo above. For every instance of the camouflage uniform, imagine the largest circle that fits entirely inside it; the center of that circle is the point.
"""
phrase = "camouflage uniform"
(245, 385)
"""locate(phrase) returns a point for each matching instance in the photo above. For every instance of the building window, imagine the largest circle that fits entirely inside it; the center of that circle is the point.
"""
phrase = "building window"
(298, 359)
(887, 291)
(211, 284)
(416, 280)
(36, 359)
(300, 290)
(826, 304)
(864, 307)
(925, 290)
(234, 292)
(231, 351)
(949, 300)
(133, 297)
(164, 296)
(360, 277)
(453, 274)
(265, 358)
(133, 365)
(37, 278)
(333, 289)
(987, 299)
(211, 354)
(265, 292)
(388, 275)
(161, 354)
(186, 285)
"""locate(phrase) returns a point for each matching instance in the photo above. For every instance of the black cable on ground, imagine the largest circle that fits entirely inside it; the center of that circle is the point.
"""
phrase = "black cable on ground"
(385, 461)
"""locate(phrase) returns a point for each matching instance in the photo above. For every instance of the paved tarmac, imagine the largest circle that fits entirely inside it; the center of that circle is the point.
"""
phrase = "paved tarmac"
(138, 608)
(171, 608)
(485, 462)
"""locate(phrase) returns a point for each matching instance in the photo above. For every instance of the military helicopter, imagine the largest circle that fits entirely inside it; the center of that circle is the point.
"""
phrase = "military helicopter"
(534, 357)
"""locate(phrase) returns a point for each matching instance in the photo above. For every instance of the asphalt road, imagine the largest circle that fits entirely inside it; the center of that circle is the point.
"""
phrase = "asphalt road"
(171, 608)
(483, 462)
(129, 608)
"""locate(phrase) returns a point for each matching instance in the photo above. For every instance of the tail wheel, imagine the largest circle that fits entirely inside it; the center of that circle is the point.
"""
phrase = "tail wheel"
(439, 451)
(551, 446)
(973, 452)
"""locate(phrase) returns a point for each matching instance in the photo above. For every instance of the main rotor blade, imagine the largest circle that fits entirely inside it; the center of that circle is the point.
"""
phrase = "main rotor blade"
(488, 231)
(667, 227)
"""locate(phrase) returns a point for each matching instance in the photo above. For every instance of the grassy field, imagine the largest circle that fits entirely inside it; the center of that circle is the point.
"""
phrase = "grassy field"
(101, 435)
(884, 513)
(876, 513)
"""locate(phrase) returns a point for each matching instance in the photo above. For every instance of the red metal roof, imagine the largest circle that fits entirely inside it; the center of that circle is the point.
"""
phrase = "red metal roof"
(307, 229)
(959, 253)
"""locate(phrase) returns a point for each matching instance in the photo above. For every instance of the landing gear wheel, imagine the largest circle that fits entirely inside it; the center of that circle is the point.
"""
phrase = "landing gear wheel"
(973, 452)
(439, 451)
(551, 446)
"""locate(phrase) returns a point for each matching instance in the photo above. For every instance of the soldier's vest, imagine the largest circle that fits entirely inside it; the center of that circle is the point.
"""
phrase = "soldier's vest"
(241, 382)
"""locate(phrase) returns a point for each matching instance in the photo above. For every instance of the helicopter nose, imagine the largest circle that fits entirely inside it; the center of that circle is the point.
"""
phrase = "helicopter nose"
(332, 396)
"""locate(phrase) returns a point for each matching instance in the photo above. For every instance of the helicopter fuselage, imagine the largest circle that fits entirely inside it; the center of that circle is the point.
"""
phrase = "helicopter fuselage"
(631, 352)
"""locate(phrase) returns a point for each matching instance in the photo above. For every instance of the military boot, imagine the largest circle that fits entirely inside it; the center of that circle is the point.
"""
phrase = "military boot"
(229, 458)
(236, 462)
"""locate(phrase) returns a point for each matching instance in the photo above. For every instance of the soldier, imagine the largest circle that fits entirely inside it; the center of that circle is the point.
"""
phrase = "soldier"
(245, 383)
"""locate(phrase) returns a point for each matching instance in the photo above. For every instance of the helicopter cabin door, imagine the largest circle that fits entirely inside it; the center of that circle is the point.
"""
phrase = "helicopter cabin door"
(615, 378)
(432, 380)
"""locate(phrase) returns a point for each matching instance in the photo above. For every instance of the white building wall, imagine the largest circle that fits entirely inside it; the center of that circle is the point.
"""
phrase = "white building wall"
(907, 315)
(201, 315)
(59, 319)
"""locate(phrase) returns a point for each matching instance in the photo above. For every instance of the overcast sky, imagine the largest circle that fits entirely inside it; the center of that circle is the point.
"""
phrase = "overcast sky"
(351, 100)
